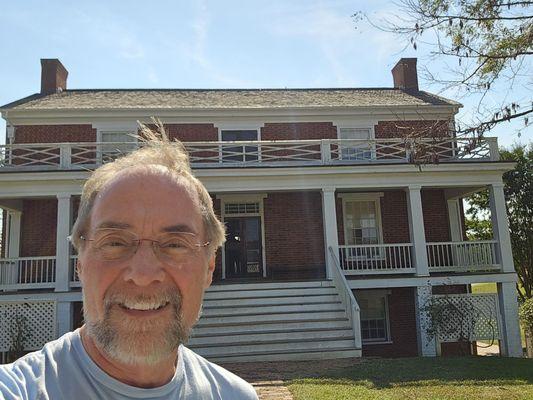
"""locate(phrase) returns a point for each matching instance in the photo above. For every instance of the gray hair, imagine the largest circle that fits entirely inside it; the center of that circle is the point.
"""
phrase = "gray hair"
(157, 150)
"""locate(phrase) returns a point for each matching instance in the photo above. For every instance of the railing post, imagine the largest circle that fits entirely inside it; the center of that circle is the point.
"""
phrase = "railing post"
(325, 151)
(64, 211)
(416, 229)
(65, 155)
(493, 148)
(329, 215)
(500, 227)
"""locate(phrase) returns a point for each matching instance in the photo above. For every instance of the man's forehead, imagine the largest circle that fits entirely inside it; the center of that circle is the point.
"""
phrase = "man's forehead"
(150, 193)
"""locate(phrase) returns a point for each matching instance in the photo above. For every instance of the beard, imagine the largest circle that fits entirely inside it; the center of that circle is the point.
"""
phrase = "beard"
(138, 341)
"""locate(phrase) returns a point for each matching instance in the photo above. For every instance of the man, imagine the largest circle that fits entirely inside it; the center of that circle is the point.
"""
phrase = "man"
(146, 237)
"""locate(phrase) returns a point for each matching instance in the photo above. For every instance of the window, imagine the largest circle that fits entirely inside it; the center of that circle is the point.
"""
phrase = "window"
(359, 147)
(362, 225)
(120, 143)
(239, 153)
(374, 315)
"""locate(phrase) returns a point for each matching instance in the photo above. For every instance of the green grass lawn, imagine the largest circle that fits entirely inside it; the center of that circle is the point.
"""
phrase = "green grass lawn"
(422, 378)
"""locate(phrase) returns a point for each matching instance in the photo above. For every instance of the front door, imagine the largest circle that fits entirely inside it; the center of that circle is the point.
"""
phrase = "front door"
(243, 247)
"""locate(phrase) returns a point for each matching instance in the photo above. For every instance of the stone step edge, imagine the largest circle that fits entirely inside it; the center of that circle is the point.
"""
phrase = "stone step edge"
(271, 313)
(285, 352)
(300, 330)
(274, 341)
(269, 322)
(269, 305)
(290, 296)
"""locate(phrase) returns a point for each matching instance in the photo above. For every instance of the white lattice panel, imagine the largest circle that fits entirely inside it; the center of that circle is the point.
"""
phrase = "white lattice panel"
(472, 316)
(40, 318)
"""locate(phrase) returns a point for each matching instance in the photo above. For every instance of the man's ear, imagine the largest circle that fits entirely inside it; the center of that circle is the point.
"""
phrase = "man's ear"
(209, 272)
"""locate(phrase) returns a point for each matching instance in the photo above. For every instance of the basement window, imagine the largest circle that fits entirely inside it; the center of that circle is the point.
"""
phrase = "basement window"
(374, 316)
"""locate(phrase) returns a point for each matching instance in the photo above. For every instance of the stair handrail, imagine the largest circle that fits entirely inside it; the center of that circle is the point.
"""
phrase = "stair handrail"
(347, 298)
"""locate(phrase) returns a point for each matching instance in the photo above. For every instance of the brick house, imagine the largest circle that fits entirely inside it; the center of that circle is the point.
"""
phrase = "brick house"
(343, 210)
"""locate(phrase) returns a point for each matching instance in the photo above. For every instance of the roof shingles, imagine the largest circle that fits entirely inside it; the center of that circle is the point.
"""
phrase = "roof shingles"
(123, 99)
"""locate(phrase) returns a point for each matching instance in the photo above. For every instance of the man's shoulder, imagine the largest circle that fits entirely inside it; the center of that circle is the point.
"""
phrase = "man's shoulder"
(19, 376)
(227, 382)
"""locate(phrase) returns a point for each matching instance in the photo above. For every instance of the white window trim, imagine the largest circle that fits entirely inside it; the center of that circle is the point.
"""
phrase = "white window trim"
(374, 196)
(388, 338)
(244, 198)
(117, 127)
(238, 126)
(366, 125)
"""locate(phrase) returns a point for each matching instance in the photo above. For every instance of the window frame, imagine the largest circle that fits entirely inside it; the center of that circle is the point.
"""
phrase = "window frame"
(371, 136)
(376, 294)
(361, 197)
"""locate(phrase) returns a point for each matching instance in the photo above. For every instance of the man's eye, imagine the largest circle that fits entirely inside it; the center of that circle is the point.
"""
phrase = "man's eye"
(174, 244)
(114, 242)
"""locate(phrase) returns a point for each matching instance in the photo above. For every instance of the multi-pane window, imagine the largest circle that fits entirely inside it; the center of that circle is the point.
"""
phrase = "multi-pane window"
(239, 153)
(119, 143)
(374, 316)
(361, 222)
(358, 145)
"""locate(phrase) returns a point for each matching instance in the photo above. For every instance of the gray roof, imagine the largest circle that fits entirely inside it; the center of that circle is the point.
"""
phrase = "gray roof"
(125, 99)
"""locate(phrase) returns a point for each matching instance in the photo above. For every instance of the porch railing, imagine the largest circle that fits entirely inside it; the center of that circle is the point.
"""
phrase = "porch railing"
(463, 256)
(73, 272)
(27, 273)
(348, 299)
(377, 259)
(245, 153)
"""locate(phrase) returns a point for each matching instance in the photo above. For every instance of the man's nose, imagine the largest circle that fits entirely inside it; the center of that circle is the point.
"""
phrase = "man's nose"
(144, 268)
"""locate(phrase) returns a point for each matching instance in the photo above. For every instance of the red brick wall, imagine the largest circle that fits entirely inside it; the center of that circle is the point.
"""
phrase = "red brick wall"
(435, 210)
(402, 322)
(298, 131)
(192, 132)
(54, 133)
(38, 228)
(294, 237)
(397, 129)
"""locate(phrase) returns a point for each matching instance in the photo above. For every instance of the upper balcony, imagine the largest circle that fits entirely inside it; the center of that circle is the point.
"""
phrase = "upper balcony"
(80, 156)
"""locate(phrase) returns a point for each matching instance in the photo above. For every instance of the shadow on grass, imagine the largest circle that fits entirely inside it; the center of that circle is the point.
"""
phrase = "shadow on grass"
(386, 373)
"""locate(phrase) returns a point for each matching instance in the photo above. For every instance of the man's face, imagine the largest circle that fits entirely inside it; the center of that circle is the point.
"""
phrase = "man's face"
(140, 308)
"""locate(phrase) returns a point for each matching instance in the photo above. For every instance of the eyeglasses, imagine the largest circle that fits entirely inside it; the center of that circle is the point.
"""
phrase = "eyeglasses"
(119, 244)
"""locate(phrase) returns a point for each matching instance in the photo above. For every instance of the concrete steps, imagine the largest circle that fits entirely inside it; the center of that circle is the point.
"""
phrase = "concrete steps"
(273, 322)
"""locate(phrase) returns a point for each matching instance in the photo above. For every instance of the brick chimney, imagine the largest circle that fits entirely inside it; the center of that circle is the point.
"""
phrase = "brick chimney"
(53, 76)
(404, 74)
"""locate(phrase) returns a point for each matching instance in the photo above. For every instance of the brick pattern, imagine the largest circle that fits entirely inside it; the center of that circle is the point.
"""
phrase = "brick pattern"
(435, 210)
(402, 322)
(192, 132)
(399, 129)
(294, 236)
(54, 133)
(298, 131)
(38, 228)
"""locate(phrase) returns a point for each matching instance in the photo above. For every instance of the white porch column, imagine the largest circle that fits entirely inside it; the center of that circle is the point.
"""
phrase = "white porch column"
(426, 347)
(62, 245)
(500, 226)
(511, 343)
(416, 229)
(455, 220)
(329, 217)
(13, 247)
(64, 317)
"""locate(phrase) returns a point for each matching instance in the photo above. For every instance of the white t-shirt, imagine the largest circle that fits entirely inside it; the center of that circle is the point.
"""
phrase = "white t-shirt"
(64, 370)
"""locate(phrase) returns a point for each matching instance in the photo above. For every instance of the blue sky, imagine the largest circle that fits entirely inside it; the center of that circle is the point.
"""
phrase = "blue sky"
(208, 44)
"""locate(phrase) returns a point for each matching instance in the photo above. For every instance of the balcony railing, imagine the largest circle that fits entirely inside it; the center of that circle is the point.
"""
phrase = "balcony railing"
(467, 256)
(27, 273)
(377, 259)
(53, 156)
(73, 272)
